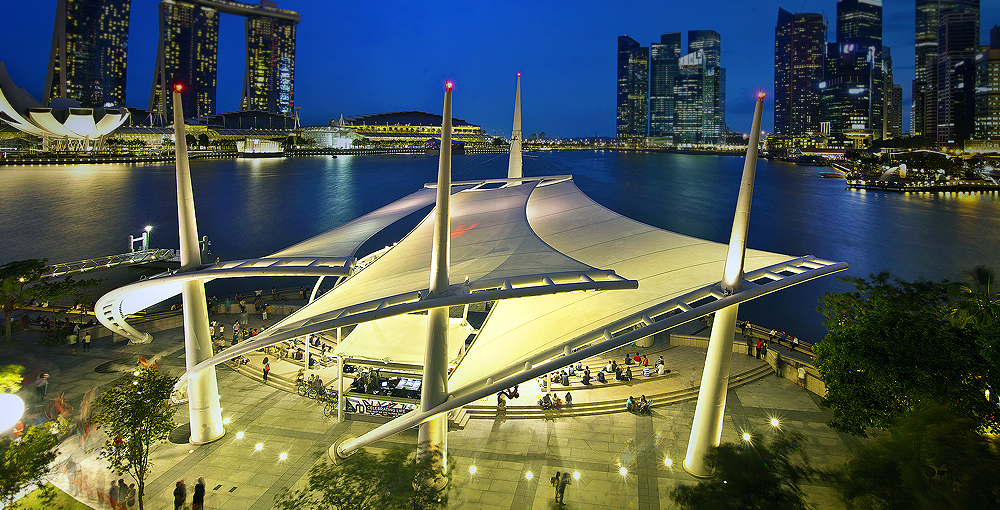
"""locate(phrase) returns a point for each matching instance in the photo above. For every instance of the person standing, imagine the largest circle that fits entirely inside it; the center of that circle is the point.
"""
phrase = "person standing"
(86, 341)
(113, 494)
(131, 496)
(801, 373)
(198, 500)
(264, 314)
(555, 483)
(760, 345)
(180, 495)
(267, 368)
(561, 488)
(122, 492)
(41, 387)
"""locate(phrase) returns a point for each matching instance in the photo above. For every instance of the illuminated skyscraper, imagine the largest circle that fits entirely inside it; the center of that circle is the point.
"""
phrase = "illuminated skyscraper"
(188, 53)
(89, 49)
(663, 58)
(987, 123)
(799, 41)
(269, 83)
(708, 40)
(923, 116)
(958, 43)
(633, 90)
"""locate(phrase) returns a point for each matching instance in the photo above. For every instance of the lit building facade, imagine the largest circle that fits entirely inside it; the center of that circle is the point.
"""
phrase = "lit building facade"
(269, 84)
(633, 90)
(188, 53)
(799, 43)
(987, 91)
(708, 41)
(87, 61)
(663, 57)
(958, 44)
(689, 98)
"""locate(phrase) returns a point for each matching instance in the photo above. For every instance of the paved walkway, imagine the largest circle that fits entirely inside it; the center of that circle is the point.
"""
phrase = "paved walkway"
(503, 451)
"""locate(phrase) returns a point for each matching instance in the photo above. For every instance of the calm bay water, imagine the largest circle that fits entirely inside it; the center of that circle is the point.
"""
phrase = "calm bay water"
(249, 208)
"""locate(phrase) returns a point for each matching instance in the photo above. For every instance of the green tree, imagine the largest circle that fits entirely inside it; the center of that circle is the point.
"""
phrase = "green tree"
(21, 281)
(135, 413)
(932, 459)
(10, 378)
(752, 475)
(978, 299)
(25, 462)
(890, 345)
(365, 481)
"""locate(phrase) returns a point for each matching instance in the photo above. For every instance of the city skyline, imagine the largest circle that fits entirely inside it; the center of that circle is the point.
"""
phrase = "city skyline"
(356, 60)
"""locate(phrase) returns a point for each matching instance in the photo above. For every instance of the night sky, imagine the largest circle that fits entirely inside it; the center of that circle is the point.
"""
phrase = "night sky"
(370, 57)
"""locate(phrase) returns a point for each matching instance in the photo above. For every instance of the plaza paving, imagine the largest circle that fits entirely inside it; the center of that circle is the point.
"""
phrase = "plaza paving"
(503, 450)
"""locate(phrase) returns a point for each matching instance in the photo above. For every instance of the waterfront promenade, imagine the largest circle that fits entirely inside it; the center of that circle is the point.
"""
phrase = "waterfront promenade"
(503, 450)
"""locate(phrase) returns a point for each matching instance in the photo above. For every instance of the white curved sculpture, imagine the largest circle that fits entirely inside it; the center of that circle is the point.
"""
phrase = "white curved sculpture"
(63, 122)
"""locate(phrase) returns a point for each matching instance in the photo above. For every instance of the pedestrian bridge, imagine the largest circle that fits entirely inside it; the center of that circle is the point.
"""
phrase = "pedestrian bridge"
(110, 262)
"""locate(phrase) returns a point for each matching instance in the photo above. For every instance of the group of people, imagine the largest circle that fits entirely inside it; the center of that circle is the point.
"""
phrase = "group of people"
(121, 496)
(560, 481)
(197, 500)
(640, 406)
(552, 401)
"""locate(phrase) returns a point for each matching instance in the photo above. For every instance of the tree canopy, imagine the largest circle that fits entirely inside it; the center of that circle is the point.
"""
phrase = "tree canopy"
(135, 413)
(891, 345)
(932, 459)
(366, 481)
(754, 475)
(26, 461)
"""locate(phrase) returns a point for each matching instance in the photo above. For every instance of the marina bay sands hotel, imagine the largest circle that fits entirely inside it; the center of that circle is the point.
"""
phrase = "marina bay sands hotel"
(90, 41)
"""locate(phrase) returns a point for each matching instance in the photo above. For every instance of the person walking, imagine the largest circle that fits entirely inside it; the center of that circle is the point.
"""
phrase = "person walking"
(267, 368)
(42, 387)
(198, 500)
(180, 495)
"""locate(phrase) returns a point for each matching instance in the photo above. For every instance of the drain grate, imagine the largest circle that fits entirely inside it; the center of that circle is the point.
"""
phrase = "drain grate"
(231, 490)
(217, 487)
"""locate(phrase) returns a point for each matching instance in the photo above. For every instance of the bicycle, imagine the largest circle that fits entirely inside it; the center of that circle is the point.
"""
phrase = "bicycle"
(330, 408)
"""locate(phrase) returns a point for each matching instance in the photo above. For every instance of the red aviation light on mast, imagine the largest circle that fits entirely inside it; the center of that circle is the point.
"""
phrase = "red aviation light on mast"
(449, 85)
(761, 94)
(179, 87)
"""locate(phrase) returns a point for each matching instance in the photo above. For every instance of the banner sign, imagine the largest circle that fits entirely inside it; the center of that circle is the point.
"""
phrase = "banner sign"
(378, 407)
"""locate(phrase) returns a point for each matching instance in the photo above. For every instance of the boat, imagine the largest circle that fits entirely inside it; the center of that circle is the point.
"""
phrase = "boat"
(832, 175)
(811, 160)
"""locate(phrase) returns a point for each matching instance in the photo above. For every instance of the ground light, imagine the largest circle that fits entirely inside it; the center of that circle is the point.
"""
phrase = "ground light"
(576, 475)
(225, 421)
(623, 471)
(472, 470)
(283, 456)
(259, 446)
(746, 436)
(529, 475)
(775, 423)
(668, 462)
(239, 435)
(11, 410)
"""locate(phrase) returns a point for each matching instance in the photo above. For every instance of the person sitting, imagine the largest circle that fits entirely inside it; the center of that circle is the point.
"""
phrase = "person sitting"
(628, 374)
(629, 404)
(600, 377)
(614, 366)
(659, 361)
(645, 361)
(586, 376)
(608, 368)
(637, 358)
(645, 371)
(570, 371)
(628, 360)
(643, 406)
(618, 374)
(545, 402)
(569, 399)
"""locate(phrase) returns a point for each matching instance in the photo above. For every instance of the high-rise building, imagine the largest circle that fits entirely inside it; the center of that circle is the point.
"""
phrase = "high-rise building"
(958, 43)
(987, 95)
(663, 57)
(689, 99)
(799, 41)
(857, 77)
(633, 90)
(708, 40)
(269, 83)
(89, 49)
(923, 116)
(860, 22)
(188, 53)
(895, 109)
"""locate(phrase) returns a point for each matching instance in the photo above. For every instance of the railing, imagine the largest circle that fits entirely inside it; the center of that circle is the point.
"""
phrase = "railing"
(124, 259)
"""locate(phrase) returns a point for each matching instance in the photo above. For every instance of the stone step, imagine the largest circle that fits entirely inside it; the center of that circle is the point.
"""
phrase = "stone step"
(603, 407)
